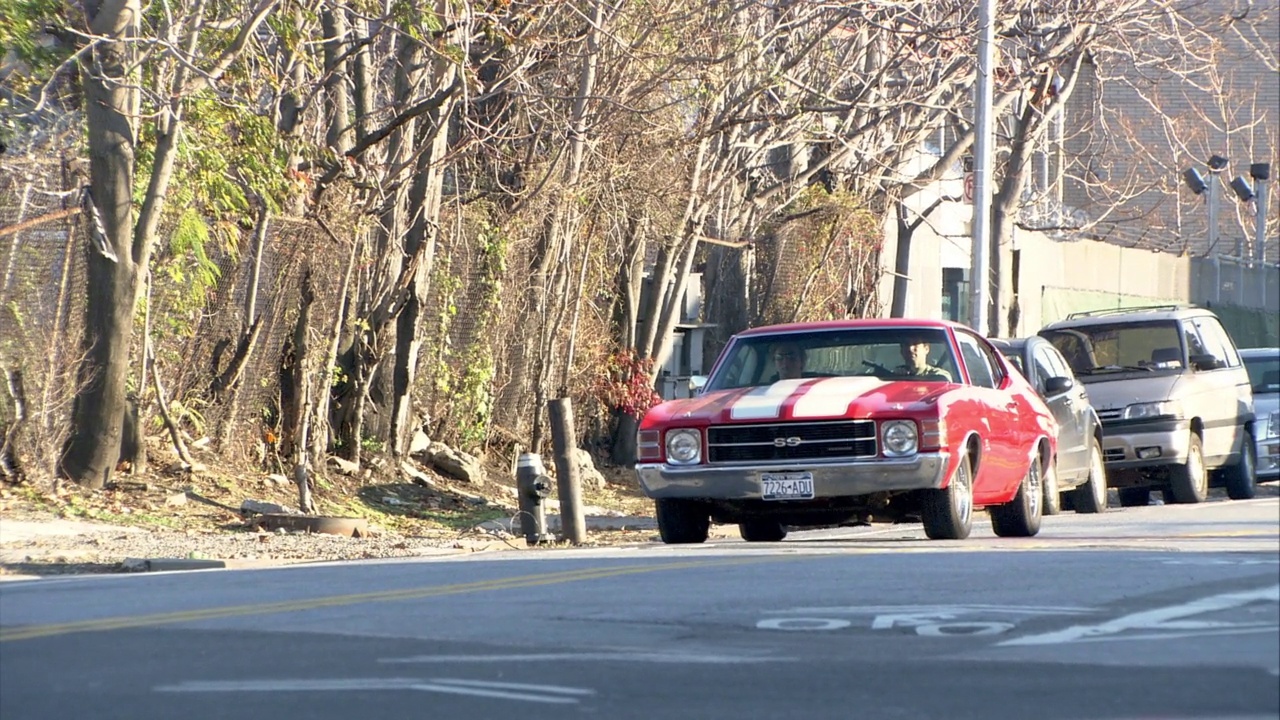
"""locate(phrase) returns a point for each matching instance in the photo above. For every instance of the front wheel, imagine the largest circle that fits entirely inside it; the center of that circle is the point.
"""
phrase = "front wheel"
(1091, 497)
(947, 514)
(1020, 517)
(1242, 478)
(1189, 483)
(1052, 496)
(760, 530)
(682, 522)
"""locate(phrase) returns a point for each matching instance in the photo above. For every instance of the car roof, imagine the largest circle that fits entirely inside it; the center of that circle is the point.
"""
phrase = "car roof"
(1016, 343)
(1131, 314)
(1259, 352)
(912, 323)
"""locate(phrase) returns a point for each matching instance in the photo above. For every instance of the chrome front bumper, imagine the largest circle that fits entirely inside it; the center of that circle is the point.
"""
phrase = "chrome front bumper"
(830, 479)
(1269, 459)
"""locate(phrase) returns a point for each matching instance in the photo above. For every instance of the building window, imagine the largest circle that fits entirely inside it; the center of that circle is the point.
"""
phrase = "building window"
(955, 294)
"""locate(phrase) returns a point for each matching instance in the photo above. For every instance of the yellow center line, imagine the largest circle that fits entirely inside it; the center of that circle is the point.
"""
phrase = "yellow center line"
(152, 620)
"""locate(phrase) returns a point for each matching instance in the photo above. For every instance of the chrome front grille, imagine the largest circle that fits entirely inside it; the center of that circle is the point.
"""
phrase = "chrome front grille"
(1108, 415)
(791, 441)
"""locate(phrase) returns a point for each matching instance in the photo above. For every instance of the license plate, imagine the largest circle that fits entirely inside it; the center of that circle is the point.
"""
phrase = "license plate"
(787, 486)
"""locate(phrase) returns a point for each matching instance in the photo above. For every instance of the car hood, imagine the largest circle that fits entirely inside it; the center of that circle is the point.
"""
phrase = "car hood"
(1128, 389)
(803, 399)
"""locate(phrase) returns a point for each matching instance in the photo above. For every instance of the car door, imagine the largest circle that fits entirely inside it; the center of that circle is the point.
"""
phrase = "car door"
(1068, 410)
(1229, 403)
(1004, 462)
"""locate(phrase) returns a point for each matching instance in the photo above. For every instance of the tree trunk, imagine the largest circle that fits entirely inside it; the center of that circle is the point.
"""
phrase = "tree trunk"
(112, 278)
(419, 246)
(902, 263)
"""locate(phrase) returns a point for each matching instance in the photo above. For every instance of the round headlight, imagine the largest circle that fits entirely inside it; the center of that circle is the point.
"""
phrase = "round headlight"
(899, 437)
(684, 446)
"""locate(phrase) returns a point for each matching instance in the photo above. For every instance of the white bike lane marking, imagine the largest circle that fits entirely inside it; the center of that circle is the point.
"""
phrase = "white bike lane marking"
(635, 657)
(1168, 622)
(926, 620)
(555, 694)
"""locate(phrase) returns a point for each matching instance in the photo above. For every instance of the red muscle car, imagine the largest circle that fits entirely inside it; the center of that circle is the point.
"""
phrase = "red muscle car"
(845, 421)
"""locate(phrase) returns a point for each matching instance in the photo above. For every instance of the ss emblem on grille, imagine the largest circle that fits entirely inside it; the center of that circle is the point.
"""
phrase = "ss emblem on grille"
(787, 441)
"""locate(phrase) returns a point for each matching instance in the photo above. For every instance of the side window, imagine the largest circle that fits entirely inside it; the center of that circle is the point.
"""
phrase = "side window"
(1195, 346)
(976, 359)
(1040, 358)
(1058, 363)
(1217, 342)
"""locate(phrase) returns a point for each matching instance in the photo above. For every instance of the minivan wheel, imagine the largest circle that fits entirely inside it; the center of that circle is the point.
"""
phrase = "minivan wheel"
(682, 522)
(1242, 478)
(1135, 497)
(1189, 483)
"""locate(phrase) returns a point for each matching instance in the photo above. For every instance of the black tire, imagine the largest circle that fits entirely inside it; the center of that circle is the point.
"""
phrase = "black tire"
(1241, 479)
(1091, 497)
(947, 514)
(1189, 482)
(761, 530)
(1135, 497)
(1052, 504)
(682, 522)
(1021, 516)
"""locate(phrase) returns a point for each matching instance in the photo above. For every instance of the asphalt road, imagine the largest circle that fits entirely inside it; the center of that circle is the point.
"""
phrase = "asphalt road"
(1151, 613)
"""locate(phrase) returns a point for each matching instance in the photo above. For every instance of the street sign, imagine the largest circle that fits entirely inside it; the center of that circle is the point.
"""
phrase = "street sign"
(968, 188)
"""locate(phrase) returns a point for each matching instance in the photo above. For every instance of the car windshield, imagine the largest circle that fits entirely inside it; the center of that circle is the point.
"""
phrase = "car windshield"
(1104, 349)
(1264, 372)
(888, 353)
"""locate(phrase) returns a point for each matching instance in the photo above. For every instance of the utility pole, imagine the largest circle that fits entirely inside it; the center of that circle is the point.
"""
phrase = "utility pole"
(979, 282)
(1261, 173)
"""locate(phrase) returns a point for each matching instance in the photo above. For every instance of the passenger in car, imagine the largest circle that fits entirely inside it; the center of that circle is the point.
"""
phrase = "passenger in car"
(915, 356)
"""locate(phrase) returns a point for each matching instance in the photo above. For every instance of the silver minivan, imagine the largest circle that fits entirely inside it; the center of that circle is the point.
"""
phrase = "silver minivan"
(1173, 396)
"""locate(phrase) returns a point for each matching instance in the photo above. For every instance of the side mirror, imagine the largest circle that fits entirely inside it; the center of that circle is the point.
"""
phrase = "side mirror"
(1058, 385)
(696, 383)
(1205, 362)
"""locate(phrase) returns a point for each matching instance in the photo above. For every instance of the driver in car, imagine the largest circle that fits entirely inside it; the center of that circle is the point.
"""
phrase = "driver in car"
(789, 359)
(915, 359)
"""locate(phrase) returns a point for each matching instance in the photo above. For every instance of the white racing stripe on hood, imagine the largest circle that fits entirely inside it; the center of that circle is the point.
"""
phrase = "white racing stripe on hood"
(831, 397)
(764, 403)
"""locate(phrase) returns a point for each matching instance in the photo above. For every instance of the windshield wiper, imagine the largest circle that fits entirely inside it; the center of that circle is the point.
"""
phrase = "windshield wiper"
(1116, 368)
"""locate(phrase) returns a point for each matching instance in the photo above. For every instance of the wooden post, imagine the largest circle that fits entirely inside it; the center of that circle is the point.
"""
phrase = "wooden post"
(572, 525)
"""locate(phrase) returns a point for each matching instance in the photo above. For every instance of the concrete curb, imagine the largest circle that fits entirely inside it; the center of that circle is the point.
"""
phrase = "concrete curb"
(176, 564)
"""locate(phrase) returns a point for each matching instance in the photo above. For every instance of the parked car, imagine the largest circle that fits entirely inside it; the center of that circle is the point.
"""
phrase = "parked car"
(825, 423)
(1077, 472)
(1173, 396)
(1263, 365)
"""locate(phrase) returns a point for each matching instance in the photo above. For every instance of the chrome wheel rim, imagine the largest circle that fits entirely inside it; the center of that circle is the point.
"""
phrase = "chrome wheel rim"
(1034, 489)
(962, 495)
(1098, 477)
(1195, 466)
